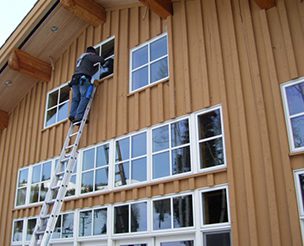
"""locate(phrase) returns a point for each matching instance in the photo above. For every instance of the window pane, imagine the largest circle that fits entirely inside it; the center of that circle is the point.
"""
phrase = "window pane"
(102, 155)
(179, 243)
(140, 57)
(23, 175)
(100, 221)
(46, 171)
(88, 159)
(183, 211)
(121, 174)
(295, 98)
(140, 78)
(51, 117)
(63, 111)
(87, 182)
(158, 48)
(43, 190)
(31, 223)
(181, 161)
(107, 49)
(215, 207)
(209, 124)
(161, 165)
(297, 125)
(57, 230)
(139, 170)
(159, 70)
(139, 144)
(64, 94)
(34, 193)
(68, 225)
(301, 179)
(160, 138)
(72, 186)
(180, 133)
(36, 174)
(211, 153)
(121, 219)
(161, 214)
(122, 149)
(101, 179)
(215, 239)
(21, 194)
(53, 99)
(85, 223)
(139, 217)
(18, 229)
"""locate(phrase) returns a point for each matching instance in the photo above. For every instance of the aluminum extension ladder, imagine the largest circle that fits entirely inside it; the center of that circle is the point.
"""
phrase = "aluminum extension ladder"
(51, 207)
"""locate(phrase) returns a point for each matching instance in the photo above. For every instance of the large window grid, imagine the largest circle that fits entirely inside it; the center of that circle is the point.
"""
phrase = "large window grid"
(57, 105)
(149, 63)
(293, 100)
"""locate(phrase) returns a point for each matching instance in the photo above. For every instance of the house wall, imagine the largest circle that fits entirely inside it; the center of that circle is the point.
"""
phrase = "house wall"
(226, 52)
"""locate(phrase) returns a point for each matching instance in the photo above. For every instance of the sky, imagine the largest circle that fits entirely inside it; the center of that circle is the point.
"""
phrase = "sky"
(11, 14)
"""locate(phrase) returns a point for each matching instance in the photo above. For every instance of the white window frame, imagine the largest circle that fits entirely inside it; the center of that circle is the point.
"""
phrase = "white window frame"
(288, 118)
(61, 239)
(148, 43)
(94, 169)
(23, 232)
(172, 229)
(297, 173)
(18, 188)
(198, 141)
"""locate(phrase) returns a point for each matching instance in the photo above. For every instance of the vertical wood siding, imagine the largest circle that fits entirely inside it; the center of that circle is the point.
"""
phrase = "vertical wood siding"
(225, 52)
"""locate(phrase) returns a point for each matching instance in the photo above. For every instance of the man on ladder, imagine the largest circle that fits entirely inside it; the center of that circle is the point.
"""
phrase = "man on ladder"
(81, 82)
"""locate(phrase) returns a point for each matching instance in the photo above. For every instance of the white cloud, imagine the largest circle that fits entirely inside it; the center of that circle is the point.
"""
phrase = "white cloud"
(12, 13)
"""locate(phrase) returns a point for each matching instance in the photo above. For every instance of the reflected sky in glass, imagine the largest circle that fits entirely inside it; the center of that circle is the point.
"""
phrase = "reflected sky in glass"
(46, 171)
(122, 150)
(88, 159)
(161, 165)
(139, 144)
(87, 182)
(139, 170)
(297, 125)
(100, 221)
(101, 179)
(68, 225)
(140, 78)
(295, 98)
(23, 175)
(36, 174)
(180, 243)
(102, 155)
(160, 138)
(159, 70)
(63, 111)
(140, 57)
(180, 133)
(158, 48)
(121, 174)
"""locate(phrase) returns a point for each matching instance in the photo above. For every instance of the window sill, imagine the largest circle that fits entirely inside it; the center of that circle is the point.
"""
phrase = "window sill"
(147, 87)
(301, 152)
(110, 76)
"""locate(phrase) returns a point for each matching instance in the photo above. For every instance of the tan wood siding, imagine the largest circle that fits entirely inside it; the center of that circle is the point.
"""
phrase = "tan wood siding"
(226, 52)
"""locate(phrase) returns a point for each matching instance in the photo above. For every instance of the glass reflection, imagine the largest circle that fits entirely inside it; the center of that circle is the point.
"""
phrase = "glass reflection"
(178, 243)
(215, 239)
(297, 125)
(139, 217)
(102, 155)
(140, 78)
(159, 70)
(51, 117)
(215, 207)
(140, 57)
(63, 110)
(23, 174)
(101, 179)
(183, 211)
(100, 221)
(161, 165)
(181, 161)
(209, 124)
(211, 153)
(87, 182)
(31, 223)
(46, 171)
(64, 94)
(121, 219)
(18, 229)
(180, 133)
(88, 159)
(57, 230)
(34, 193)
(158, 48)
(160, 138)
(68, 225)
(301, 179)
(21, 194)
(139, 144)
(121, 174)
(139, 170)
(161, 214)
(72, 186)
(295, 98)
(85, 223)
(36, 174)
(53, 99)
(43, 190)
(122, 150)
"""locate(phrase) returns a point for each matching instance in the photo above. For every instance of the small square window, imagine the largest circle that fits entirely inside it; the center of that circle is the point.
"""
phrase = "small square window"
(149, 63)
(293, 98)
(57, 106)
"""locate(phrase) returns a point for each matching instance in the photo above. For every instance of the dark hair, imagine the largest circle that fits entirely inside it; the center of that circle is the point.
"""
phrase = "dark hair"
(91, 49)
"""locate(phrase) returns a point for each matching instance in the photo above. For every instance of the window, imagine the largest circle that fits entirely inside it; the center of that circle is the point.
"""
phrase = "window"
(131, 159)
(293, 97)
(93, 222)
(64, 226)
(130, 218)
(31, 223)
(215, 217)
(106, 50)
(57, 105)
(299, 181)
(210, 139)
(95, 169)
(40, 181)
(22, 187)
(171, 149)
(149, 63)
(173, 212)
(17, 230)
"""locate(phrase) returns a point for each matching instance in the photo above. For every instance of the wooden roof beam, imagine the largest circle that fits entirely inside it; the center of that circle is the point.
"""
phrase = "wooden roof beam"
(3, 120)
(88, 10)
(163, 8)
(27, 64)
(265, 4)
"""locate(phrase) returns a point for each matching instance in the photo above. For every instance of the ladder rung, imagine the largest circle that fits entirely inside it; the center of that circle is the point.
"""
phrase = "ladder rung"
(73, 134)
(44, 217)
(60, 173)
(40, 232)
(70, 146)
(50, 202)
(56, 187)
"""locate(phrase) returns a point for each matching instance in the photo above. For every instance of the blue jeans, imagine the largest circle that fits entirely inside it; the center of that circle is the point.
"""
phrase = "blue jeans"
(79, 99)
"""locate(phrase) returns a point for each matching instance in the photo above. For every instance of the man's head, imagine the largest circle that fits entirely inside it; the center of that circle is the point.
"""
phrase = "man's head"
(91, 49)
